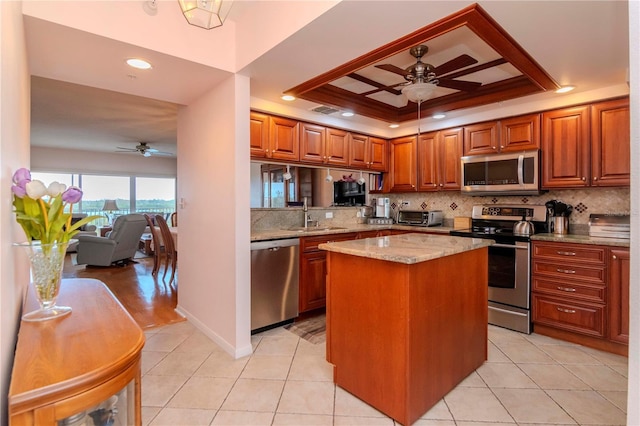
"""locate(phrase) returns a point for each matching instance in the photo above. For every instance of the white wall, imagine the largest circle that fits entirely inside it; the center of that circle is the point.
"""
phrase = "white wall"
(213, 184)
(633, 395)
(76, 161)
(14, 153)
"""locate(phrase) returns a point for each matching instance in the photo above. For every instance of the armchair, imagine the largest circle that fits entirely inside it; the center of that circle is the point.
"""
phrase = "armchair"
(88, 229)
(119, 245)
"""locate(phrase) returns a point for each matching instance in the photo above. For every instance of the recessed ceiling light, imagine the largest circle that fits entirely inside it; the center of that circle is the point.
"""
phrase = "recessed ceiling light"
(347, 114)
(394, 125)
(288, 98)
(439, 116)
(138, 63)
(565, 89)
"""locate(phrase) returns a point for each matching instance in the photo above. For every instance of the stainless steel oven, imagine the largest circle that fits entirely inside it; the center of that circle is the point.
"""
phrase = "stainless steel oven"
(509, 261)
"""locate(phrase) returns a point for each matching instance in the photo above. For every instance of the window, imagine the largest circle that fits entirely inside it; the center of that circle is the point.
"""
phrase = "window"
(155, 195)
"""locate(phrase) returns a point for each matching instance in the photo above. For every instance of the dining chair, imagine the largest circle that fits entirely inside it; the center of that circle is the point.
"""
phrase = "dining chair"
(157, 245)
(174, 219)
(170, 253)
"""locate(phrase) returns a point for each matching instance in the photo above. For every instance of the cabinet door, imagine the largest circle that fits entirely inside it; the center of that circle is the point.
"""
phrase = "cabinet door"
(359, 151)
(610, 143)
(619, 295)
(427, 162)
(284, 141)
(403, 169)
(565, 148)
(313, 292)
(259, 134)
(481, 138)
(337, 147)
(312, 143)
(520, 133)
(378, 154)
(450, 147)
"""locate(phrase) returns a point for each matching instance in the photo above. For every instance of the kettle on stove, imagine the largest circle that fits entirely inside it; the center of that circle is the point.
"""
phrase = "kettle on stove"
(524, 227)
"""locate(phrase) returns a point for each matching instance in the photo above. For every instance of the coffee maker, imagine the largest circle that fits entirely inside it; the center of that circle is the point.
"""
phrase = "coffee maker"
(382, 207)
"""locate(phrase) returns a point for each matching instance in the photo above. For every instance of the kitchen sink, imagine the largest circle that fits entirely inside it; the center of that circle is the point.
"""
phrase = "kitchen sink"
(315, 228)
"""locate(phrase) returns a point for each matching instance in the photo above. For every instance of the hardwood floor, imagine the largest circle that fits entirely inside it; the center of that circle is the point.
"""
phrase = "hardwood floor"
(150, 300)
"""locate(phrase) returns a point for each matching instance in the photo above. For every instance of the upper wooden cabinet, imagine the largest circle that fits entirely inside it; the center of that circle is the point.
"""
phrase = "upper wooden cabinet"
(520, 133)
(587, 146)
(481, 138)
(368, 152)
(337, 147)
(610, 143)
(404, 164)
(439, 160)
(274, 137)
(312, 143)
(507, 135)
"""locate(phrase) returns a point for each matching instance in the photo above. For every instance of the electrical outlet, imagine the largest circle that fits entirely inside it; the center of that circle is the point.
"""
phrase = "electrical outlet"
(404, 203)
(328, 215)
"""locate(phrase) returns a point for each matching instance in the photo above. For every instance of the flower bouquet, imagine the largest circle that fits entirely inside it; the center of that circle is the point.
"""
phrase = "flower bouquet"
(40, 211)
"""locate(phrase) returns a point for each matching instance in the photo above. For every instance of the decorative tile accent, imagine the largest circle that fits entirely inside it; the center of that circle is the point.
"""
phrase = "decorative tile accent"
(423, 205)
(453, 206)
(580, 208)
(494, 200)
(525, 200)
(394, 205)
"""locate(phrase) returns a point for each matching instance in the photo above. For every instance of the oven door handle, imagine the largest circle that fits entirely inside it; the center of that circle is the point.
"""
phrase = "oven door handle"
(520, 169)
(509, 246)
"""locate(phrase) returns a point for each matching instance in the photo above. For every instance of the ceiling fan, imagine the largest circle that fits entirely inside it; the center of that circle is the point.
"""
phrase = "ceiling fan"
(144, 149)
(421, 72)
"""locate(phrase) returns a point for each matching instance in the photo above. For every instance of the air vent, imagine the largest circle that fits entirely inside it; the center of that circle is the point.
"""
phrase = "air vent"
(325, 110)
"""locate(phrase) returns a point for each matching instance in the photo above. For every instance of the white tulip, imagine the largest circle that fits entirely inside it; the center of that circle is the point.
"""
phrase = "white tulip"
(55, 189)
(36, 189)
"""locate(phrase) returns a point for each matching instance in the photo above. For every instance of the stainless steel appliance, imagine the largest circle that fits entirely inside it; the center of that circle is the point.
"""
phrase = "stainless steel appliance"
(510, 173)
(509, 260)
(274, 282)
(610, 225)
(420, 218)
(383, 207)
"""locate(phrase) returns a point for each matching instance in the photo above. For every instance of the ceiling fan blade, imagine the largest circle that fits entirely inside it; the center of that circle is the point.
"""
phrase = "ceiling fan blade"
(390, 89)
(467, 86)
(452, 65)
(151, 150)
(127, 149)
(392, 68)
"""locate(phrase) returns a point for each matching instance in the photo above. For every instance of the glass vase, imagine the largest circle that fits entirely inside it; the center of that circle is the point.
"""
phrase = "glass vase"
(46, 262)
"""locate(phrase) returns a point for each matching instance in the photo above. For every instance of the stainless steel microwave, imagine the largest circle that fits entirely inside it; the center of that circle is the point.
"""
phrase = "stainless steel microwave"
(516, 173)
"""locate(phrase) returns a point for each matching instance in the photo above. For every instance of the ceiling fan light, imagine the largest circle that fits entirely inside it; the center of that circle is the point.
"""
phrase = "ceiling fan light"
(418, 92)
(147, 154)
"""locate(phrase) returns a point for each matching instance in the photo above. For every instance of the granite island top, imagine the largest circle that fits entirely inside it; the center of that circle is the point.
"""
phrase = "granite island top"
(407, 248)
(281, 233)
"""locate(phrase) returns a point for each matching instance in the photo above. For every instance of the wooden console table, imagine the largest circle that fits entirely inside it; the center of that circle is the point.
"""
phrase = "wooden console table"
(72, 365)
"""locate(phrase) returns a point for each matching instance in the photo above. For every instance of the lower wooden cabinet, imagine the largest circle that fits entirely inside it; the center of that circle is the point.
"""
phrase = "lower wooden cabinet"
(580, 293)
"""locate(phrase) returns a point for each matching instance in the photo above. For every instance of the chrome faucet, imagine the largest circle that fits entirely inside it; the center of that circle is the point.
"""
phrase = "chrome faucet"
(305, 210)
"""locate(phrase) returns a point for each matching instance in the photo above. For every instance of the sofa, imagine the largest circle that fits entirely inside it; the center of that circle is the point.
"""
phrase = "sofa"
(87, 229)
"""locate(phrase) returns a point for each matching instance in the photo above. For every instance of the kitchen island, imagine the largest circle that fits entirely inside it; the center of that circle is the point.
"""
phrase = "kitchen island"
(406, 318)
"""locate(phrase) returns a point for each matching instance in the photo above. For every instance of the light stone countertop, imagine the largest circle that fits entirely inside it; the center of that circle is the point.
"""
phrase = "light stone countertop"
(407, 248)
(581, 239)
(276, 234)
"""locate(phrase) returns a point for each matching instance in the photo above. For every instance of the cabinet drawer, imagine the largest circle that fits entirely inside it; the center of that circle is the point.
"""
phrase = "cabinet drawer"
(578, 291)
(578, 253)
(581, 317)
(567, 271)
(311, 243)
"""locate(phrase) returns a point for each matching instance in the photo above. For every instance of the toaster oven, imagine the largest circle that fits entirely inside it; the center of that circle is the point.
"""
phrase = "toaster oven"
(420, 218)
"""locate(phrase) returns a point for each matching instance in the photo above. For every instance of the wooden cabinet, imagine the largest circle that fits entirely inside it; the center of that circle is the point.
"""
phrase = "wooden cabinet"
(87, 361)
(481, 138)
(610, 143)
(368, 152)
(578, 294)
(312, 143)
(313, 270)
(274, 137)
(404, 164)
(586, 146)
(439, 160)
(520, 133)
(507, 135)
(337, 147)
(619, 265)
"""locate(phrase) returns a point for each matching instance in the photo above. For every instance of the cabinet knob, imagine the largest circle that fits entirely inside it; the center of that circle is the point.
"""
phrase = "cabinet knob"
(584, 178)
(501, 146)
(595, 178)
(441, 185)
(615, 257)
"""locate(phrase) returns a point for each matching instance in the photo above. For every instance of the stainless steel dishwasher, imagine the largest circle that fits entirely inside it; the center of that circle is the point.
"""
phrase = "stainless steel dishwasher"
(274, 282)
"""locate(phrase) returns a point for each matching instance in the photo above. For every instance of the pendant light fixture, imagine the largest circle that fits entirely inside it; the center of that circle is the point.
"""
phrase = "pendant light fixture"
(287, 175)
(361, 181)
(205, 14)
(418, 93)
(329, 178)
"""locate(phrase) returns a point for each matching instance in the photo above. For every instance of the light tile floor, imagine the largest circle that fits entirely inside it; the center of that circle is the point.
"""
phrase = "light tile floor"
(189, 380)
